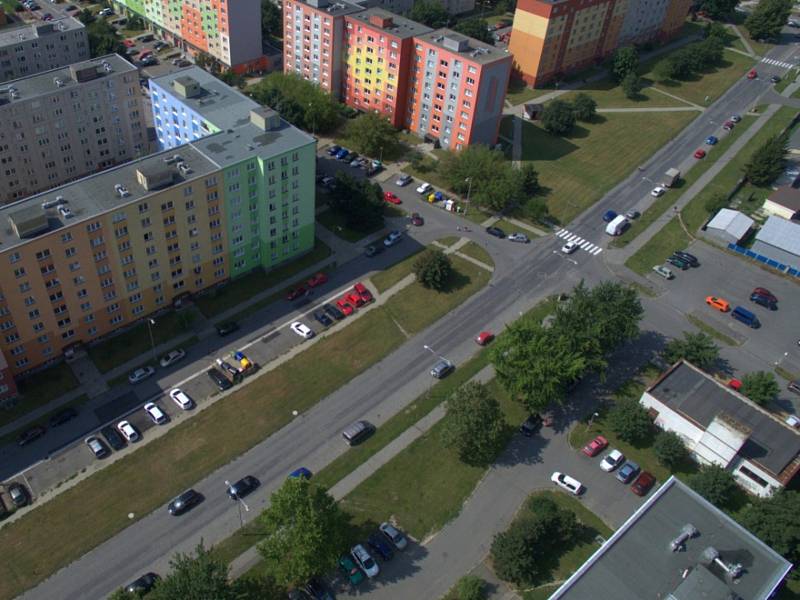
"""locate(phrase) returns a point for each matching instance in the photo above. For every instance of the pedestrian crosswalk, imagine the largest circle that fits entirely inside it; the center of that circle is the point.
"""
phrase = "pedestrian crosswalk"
(777, 63)
(583, 244)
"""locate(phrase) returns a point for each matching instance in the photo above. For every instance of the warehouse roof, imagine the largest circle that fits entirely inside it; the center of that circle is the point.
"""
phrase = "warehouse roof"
(731, 221)
(780, 233)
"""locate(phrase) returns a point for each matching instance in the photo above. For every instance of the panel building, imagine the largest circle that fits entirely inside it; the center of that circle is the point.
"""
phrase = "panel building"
(97, 254)
(551, 38)
(29, 49)
(227, 30)
(65, 123)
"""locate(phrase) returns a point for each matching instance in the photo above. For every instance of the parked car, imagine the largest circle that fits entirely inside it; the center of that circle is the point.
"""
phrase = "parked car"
(393, 238)
(113, 437)
(765, 292)
(140, 374)
(172, 357)
(633, 214)
(569, 247)
(19, 494)
(227, 328)
(609, 216)
(765, 301)
(677, 261)
(184, 502)
(342, 153)
(344, 306)
(301, 473)
(572, 485)
(391, 198)
(417, 220)
(531, 425)
(128, 431)
(363, 293)
(496, 232)
(98, 448)
(403, 180)
(106, 12)
(794, 386)
(333, 150)
(373, 250)
(222, 382)
(63, 416)
(317, 590)
(350, 570)
(143, 584)
(155, 413)
(663, 271)
(393, 535)
(316, 280)
(484, 337)
(354, 159)
(627, 472)
(424, 188)
(380, 546)
(728, 125)
(31, 435)
(720, 304)
(774, 79)
(333, 312)
(322, 318)
(699, 153)
(301, 329)
(691, 259)
(711, 140)
(736, 118)
(752, 74)
(658, 191)
(364, 560)
(612, 460)
(594, 447)
(296, 293)
(181, 399)
(442, 369)
(243, 487)
(643, 483)
(519, 237)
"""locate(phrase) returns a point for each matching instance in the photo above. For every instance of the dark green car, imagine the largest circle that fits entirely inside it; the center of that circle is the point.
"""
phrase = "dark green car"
(678, 262)
(350, 570)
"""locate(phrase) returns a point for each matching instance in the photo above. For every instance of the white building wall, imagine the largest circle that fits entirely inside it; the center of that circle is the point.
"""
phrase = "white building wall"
(749, 484)
(669, 420)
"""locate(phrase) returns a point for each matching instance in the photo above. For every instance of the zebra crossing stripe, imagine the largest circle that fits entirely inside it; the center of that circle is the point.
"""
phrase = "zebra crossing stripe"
(563, 233)
(596, 251)
(585, 244)
(572, 237)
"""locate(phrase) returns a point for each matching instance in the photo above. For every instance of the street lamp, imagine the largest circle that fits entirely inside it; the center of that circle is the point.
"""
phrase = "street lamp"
(432, 351)
(380, 158)
(313, 121)
(239, 502)
(469, 189)
(150, 323)
(591, 420)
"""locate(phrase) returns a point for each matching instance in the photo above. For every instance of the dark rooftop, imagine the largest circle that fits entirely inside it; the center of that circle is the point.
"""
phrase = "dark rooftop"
(638, 562)
(334, 8)
(467, 47)
(787, 196)
(695, 394)
(400, 26)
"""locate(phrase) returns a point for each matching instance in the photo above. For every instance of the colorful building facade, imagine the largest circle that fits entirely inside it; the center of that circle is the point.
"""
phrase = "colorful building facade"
(227, 30)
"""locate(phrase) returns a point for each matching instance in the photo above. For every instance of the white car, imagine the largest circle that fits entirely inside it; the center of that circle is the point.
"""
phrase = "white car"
(393, 238)
(302, 330)
(128, 431)
(518, 237)
(172, 357)
(364, 560)
(140, 374)
(424, 188)
(403, 180)
(659, 190)
(612, 460)
(573, 486)
(181, 398)
(569, 247)
(155, 413)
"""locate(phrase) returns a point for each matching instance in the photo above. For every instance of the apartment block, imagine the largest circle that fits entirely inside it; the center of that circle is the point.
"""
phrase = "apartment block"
(66, 123)
(227, 30)
(29, 49)
(100, 253)
(551, 38)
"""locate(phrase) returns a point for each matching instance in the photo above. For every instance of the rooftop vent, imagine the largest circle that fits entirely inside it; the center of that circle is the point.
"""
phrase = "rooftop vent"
(265, 118)
(121, 190)
(58, 200)
(455, 42)
(186, 86)
(86, 73)
(58, 81)
(65, 212)
(679, 543)
(154, 176)
(732, 570)
(184, 168)
(173, 159)
(28, 222)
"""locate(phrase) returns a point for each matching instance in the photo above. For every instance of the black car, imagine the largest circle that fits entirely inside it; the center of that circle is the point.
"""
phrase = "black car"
(686, 257)
(378, 543)
(531, 425)
(243, 487)
(31, 435)
(144, 584)
(677, 261)
(322, 318)
(496, 232)
(764, 301)
(333, 311)
(317, 590)
(219, 379)
(774, 79)
(184, 502)
(226, 328)
(63, 416)
(371, 250)
(113, 437)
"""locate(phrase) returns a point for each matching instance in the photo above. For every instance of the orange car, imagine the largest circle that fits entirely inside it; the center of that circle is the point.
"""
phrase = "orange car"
(718, 303)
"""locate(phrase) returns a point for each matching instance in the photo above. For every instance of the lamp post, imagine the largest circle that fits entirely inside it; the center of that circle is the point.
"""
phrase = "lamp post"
(469, 189)
(150, 323)
(591, 420)
(432, 351)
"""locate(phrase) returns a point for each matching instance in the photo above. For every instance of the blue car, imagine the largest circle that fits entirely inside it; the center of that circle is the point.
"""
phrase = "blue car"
(609, 216)
(711, 140)
(627, 472)
(302, 472)
(381, 547)
(333, 150)
(343, 152)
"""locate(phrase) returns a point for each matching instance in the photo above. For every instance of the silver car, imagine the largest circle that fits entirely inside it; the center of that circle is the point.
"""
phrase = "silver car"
(442, 369)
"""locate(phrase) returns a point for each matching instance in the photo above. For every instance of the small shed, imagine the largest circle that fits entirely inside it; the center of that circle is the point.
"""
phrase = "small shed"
(729, 226)
(532, 110)
(783, 202)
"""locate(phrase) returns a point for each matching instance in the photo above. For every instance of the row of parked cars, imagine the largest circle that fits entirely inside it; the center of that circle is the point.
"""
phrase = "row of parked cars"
(359, 562)
(761, 296)
(680, 259)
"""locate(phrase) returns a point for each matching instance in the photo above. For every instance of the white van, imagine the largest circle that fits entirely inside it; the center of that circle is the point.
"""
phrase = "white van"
(617, 226)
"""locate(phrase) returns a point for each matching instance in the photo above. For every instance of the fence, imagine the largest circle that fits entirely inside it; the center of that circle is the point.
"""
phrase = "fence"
(765, 260)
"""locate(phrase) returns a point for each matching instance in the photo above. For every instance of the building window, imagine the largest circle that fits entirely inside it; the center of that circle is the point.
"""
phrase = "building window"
(753, 477)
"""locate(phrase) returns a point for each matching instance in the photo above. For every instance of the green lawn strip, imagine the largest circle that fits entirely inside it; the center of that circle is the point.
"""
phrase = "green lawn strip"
(477, 252)
(660, 206)
(788, 375)
(788, 78)
(123, 379)
(518, 92)
(39, 389)
(244, 288)
(671, 237)
(509, 227)
(335, 223)
(448, 240)
(712, 331)
(45, 418)
(387, 278)
(608, 94)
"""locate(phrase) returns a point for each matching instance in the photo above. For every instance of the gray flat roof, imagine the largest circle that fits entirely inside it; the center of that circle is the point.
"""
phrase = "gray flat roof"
(333, 8)
(45, 82)
(400, 27)
(695, 394)
(475, 50)
(637, 562)
(780, 233)
(219, 103)
(14, 34)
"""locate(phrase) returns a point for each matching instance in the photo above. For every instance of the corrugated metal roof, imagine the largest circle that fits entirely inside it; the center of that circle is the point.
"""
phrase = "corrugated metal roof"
(781, 233)
(732, 221)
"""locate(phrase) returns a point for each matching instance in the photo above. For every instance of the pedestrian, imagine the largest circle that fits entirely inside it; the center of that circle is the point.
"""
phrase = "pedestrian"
(458, 227)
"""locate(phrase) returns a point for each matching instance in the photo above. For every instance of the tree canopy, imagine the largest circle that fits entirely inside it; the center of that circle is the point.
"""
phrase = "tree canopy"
(271, 20)
(774, 521)
(625, 61)
(691, 59)
(715, 484)
(474, 426)
(630, 421)
(433, 268)
(760, 386)
(372, 134)
(768, 161)
(717, 9)
(670, 449)
(768, 18)
(584, 107)
(558, 117)
(475, 28)
(698, 348)
(298, 101)
(631, 85)
(360, 201)
(430, 13)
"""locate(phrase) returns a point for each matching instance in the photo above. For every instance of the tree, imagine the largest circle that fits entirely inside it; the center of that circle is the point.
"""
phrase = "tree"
(194, 577)
(768, 18)
(512, 556)
(774, 521)
(475, 28)
(470, 587)
(760, 387)
(305, 532)
(584, 107)
(768, 161)
(665, 70)
(121, 594)
(670, 449)
(86, 16)
(502, 191)
(430, 13)
(300, 102)
(630, 421)
(557, 117)
(433, 268)
(271, 20)
(359, 200)
(715, 484)
(372, 134)
(717, 9)
(715, 203)
(530, 179)
(626, 60)
(698, 348)
(494, 184)
(474, 426)
(104, 39)
(631, 85)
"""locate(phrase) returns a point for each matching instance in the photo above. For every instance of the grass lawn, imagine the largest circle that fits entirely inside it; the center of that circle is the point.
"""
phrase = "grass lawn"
(244, 288)
(136, 342)
(712, 331)
(477, 252)
(509, 227)
(449, 240)
(335, 223)
(608, 94)
(39, 389)
(519, 93)
(388, 277)
(577, 170)
(788, 78)
(671, 237)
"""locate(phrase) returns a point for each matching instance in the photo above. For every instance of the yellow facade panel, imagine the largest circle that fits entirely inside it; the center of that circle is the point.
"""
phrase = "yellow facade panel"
(530, 23)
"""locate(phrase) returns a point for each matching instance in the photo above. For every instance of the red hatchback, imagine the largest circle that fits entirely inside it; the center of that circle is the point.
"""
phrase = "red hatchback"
(699, 153)
(752, 74)
(484, 337)
(766, 293)
(345, 306)
(643, 483)
(596, 446)
(391, 198)
(317, 279)
(295, 293)
(363, 292)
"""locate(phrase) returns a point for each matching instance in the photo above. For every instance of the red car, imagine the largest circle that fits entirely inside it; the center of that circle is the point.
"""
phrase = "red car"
(752, 74)
(735, 384)
(128, 43)
(699, 153)
(145, 54)
(484, 337)
(295, 293)
(391, 198)
(643, 483)
(363, 292)
(596, 446)
(766, 293)
(355, 299)
(345, 306)
(417, 220)
(317, 279)
(728, 125)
